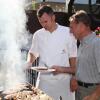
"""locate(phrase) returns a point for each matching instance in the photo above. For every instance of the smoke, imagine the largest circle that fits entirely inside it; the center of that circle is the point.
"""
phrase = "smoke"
(12, 37)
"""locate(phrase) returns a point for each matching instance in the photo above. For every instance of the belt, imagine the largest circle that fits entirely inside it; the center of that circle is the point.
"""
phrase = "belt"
(87, 84)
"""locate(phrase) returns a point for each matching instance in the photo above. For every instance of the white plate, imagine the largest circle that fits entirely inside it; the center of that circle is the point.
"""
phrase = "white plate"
(42, 69)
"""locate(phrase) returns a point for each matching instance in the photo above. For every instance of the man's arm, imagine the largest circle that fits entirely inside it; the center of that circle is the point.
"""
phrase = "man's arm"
(30, 59)
(70, 70)
(97, 92)
(95, 95)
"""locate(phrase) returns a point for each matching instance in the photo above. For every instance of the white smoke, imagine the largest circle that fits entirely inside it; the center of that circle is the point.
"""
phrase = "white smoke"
(12, 37)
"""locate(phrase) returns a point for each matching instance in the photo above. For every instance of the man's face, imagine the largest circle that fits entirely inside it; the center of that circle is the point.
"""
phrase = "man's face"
(46, 21)
(76, 29)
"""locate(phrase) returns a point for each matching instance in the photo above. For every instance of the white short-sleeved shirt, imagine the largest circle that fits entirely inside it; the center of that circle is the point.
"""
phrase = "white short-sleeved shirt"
(55, 49)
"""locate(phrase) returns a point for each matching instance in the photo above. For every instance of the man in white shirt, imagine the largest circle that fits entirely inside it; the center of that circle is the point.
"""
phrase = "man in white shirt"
(57, 49)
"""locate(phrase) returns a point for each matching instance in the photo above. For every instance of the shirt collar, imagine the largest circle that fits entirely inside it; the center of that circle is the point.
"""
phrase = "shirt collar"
(88, 38)
(54, 30)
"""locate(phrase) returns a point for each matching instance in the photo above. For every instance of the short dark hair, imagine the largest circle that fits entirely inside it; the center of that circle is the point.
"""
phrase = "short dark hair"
(81, 16)
(45, 9)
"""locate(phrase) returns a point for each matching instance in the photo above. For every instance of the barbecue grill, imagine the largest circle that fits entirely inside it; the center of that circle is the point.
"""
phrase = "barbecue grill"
(24, 92)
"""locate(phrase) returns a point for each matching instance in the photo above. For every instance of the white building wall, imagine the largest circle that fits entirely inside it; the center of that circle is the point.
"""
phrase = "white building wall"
(84, 1)
(63, 1)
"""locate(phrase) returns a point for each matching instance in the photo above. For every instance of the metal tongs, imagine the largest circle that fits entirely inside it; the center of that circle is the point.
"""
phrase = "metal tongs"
(60, 98)
(46, 65)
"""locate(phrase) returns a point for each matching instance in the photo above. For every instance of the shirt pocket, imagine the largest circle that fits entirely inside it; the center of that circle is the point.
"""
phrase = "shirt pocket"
(62, 57)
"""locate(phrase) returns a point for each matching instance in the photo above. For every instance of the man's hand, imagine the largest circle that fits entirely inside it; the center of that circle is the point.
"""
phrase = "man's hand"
(73, 84)
(58, 69)
(28, 65)
(95, 94)
(91, 97)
